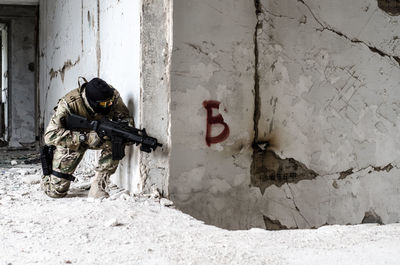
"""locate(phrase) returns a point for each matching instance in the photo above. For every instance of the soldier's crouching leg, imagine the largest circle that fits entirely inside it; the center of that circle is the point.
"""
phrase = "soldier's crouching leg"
(64, 161)
(105, 168)
(55, 187)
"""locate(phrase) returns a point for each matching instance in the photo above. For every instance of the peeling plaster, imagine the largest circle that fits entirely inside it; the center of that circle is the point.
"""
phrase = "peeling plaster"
(273, 224)
(270, 169)
(391, 7)
(67, 65)
(371, 217)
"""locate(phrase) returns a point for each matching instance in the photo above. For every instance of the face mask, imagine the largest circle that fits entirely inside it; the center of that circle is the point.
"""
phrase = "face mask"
(102, 106)
(101, 110)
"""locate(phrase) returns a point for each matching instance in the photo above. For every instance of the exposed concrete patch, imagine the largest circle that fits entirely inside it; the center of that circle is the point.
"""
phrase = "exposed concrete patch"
(371, 218)
(386, 168)
(350, 171)
(273, 224)
(391, 7)
(346, 173)
(67, 65)
(269, 169)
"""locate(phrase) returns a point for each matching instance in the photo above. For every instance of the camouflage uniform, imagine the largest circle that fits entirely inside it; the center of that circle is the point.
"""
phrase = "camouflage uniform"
(69, 150)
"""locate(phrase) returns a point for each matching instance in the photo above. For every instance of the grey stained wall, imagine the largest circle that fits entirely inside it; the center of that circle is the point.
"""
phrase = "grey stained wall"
(22, 35)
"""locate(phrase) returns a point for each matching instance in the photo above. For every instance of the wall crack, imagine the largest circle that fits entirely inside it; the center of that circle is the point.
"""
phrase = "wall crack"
(350, 171)
(256, 90)
(257, 104)
(353, 40)
(297, 208)
(273, 14)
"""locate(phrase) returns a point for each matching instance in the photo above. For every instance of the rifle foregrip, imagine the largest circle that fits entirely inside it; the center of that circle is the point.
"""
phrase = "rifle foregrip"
(73, 122)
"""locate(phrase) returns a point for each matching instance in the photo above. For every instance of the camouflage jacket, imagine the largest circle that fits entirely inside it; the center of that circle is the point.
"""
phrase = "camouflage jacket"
(75, 102)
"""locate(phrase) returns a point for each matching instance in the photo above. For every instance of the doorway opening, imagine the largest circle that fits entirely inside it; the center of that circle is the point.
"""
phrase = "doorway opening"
(4, 85)
(18, 76)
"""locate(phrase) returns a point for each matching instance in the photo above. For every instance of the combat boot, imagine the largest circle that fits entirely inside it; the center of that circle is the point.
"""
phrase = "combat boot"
(55, 187)
(97, 189)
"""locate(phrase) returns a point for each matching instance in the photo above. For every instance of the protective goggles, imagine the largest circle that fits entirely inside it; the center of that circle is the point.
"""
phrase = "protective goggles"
(106, 103)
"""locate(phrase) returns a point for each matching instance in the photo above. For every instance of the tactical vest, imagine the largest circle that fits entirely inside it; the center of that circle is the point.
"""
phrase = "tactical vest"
(76, 103)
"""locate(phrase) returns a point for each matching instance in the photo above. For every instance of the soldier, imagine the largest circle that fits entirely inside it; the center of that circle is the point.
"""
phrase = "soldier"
(94, 100)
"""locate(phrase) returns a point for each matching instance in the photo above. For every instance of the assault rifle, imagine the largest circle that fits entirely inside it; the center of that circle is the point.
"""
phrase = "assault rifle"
(120, 134)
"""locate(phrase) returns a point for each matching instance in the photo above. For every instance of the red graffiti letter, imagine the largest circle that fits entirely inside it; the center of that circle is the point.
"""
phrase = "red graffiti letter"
(209, 105)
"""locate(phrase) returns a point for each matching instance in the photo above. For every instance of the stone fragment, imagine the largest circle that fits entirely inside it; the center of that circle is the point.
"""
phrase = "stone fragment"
(32, 179)
(119, 194)
(83, 186)
(111, 223)
(166, 202)
(124, 196)
(14, 162)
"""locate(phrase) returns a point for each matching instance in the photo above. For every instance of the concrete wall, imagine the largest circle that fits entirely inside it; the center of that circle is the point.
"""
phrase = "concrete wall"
(156, 44)
(91, 38)
(22, 32)
(316, 79)
(329, 74)
(213, 60)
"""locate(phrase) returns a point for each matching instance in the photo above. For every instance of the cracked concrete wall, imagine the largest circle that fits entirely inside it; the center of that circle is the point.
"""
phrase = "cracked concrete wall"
(22, 30)
(329, 73)
(311, 86)
(92, 38)
(156, 35)
(213, 60)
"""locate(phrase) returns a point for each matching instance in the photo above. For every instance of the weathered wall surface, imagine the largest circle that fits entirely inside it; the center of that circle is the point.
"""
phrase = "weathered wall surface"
(119, 61)
(22, 24)
(329, 74)
(156, 37)
(91, 38)
(213, 60)
(316, 79)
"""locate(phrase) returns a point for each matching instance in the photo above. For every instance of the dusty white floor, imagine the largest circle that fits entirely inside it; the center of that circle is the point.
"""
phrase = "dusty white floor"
(35, 229)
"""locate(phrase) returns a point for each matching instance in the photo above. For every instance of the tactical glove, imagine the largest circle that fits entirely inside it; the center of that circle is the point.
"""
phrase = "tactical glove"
(93, 140)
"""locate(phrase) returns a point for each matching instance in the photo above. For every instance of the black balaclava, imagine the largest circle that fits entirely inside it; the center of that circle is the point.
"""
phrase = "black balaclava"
(98, 90)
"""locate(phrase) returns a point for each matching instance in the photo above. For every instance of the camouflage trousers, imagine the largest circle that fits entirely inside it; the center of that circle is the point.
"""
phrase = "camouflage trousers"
(66, 161)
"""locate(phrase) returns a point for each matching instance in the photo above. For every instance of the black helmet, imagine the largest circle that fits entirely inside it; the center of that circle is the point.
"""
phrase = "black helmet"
(100, 95)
